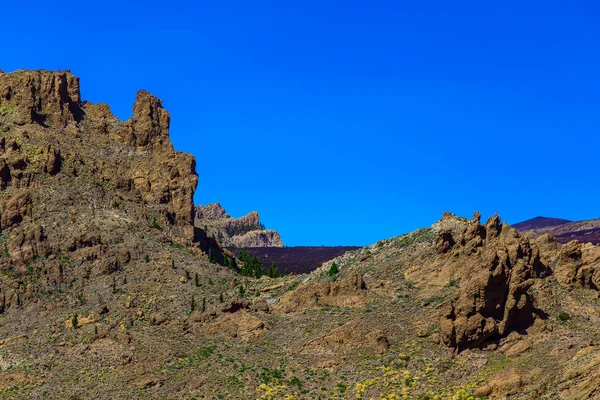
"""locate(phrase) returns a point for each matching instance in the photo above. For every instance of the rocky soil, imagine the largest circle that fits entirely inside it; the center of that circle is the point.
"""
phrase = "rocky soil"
(109, 291)
(246, 231)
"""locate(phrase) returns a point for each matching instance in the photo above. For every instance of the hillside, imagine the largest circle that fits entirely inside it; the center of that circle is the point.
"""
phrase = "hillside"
(539, 223)
(246, 231)
(109, 291)
(563, 230)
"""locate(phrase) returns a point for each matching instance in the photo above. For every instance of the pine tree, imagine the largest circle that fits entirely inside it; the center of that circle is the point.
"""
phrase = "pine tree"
(203, 304)
(333, 270)
(193, 304)
(273, 272)
(196, 280)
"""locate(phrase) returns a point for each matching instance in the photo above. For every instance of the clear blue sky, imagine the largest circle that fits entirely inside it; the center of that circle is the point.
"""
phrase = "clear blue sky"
(345, 122)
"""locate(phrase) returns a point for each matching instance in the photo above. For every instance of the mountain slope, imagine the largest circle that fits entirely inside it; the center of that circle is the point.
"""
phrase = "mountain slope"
(564, 231)
(540, 222)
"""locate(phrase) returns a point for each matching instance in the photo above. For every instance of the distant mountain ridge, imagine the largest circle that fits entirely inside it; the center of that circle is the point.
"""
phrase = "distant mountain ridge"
(563, 230)
(540, 222)
(246, 231)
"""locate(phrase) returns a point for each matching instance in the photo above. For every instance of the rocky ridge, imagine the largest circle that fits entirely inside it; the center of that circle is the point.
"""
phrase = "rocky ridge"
(246, 231)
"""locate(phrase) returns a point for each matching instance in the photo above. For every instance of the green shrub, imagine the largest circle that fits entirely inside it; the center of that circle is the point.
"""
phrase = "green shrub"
(563, 316)
(154, 224)
(333, 270)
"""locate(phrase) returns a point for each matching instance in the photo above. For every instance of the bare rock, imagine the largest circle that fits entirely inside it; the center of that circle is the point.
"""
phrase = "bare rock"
(497, 267)
(42, 96)
(15, 209)
(246, 231)
(445, 241)
(572, 270)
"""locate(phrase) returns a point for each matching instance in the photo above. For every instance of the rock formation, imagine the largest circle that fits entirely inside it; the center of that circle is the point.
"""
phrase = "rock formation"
(496, 267)
(68, 167)
(246, 231)
(350, 291)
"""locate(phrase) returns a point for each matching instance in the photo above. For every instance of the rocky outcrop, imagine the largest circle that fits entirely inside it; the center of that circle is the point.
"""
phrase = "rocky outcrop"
(71, 172)
(246, 231)
(262, 238)
(350, 291)
(574, 270)
(353, 335)
(52, 99)
(49, 98)
(496, 267)
(241, 325)
(211, 212)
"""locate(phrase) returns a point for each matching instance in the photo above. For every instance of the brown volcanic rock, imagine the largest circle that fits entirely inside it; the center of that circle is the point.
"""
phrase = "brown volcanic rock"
(573, 270)
(68, 168)
(246, 231)
(353, 335)
(350, 291)
(496, 267)
(266, 238)
(211, 211)
(41, 96)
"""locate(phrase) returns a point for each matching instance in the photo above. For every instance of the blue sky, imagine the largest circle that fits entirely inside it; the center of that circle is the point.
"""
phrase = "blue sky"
(346, 122)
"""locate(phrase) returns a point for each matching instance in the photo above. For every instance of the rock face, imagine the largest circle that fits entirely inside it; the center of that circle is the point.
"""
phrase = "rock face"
(578, 266)
(69, 167)
(496, 267)
(42, 97)
(246, 231)
(52, 99)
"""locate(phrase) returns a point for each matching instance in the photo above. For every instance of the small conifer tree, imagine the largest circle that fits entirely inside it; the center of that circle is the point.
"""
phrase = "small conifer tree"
(333, 270)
